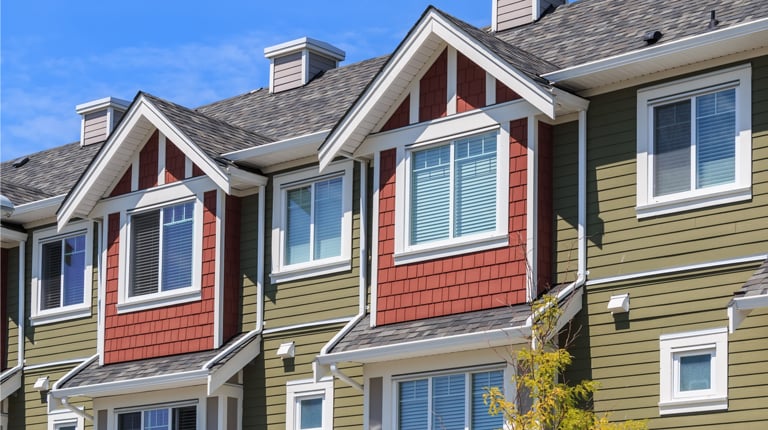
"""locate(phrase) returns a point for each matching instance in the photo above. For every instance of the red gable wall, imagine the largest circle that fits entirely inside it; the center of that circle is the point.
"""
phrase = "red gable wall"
(462, 283)
(470, 85)
(433, 90)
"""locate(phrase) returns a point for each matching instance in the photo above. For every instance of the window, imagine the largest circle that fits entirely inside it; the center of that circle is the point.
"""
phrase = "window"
(455, 199)
(162, 244)
(62, 419)
(312, 222)
(694, 142)
(448, 401)
(165, 418)
(62, 273)
(309, 405)
(694, 371)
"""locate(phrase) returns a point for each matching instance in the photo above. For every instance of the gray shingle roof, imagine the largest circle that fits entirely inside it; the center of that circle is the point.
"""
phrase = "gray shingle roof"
(94, 374)
(314, 107)
(362, 336)
(47, 174)
(589, 30)
(757, 284)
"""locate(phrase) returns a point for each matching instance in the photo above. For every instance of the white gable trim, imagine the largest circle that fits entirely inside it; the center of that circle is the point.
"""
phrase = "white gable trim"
(119, 152)
(406, 64)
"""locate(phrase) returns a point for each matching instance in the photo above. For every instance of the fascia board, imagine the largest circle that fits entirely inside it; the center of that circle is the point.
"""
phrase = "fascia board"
(137, 385)
(288, 149)
(751, 28)
(10, 235)
(10, 383)
(750, 302)
(37, 210)
(221, 375)
(421, 348)
(91, 179)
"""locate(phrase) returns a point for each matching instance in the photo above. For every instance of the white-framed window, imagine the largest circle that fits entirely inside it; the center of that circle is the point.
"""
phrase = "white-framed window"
(182, 416)
(694, 371)
(64, 419)
(309, 405)
(161, 253)
(694, 142)
(447, 400)
(456, 196)
(62, 273)
(312, 222)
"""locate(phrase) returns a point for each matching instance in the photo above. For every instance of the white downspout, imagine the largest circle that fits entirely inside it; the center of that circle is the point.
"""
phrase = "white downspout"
(22, 321)
(363, 280)
(260, 259)
(75, 410)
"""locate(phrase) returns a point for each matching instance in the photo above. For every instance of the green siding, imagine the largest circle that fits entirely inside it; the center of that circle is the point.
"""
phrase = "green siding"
(619, 243)
(249, 236)
(565, 201)
(29, 408)
(13, 307)
(265, 396)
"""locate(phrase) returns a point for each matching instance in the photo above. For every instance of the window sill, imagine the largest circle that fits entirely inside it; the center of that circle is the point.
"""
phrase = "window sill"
(695, 404)
(51, 317)
(158, 300)
(694, 202)
(451, 248)
(310, 270)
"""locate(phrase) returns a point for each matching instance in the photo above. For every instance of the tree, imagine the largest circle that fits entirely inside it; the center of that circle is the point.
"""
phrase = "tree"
(543, 402)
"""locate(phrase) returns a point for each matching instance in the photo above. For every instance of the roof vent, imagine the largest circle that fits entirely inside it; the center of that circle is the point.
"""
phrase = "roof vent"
(99, 118)
(651, 37)
(295, 63)
(712, 20)
(20, 162)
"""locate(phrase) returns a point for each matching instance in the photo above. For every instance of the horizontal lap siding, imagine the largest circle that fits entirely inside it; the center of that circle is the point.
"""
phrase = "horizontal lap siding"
(565, 202)
(11, 348)
(249, 236)
(266, 381)
(624, 352)
(619, 243)
(315, 298)
(28, 408)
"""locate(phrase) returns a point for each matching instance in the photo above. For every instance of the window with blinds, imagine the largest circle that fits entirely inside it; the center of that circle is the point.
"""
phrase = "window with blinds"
(313, 221)
(162, 244)
(62, 277)
(453, 401)
(453, 189)
(178, 418)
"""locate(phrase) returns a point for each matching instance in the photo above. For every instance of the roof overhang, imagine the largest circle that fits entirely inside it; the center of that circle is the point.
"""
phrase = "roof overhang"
(741, 307)
(608, 72)
(427, 39)
(141, 120)
(10, 381)
(212, 373)
(268, 156)
(10, 238)
(37, 210)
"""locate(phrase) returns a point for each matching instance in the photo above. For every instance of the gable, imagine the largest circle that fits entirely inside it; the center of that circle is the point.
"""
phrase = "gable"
(137, 142)
(420, 56)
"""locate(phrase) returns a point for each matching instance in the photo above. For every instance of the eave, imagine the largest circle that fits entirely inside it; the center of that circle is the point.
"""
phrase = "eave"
(266, 157)
(610, 72)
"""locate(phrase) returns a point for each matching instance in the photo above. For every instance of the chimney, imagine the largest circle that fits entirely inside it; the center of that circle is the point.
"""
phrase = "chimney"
(513, 13)
(294, 63)
(99, 118)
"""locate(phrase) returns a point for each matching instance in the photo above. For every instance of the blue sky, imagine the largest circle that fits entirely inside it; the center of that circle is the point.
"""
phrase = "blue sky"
(57, 54)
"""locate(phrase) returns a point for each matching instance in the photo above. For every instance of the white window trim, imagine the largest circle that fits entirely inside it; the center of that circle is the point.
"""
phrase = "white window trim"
(739, 78)
(39, 237)
(295, 390)
(161, 298)
(282, 272)
(672, 346)
(406, 253)
(64, 417)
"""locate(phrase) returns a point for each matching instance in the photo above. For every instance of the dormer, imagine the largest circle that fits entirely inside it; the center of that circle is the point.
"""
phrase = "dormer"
(99, 118)
(514, 13)
(295, 63)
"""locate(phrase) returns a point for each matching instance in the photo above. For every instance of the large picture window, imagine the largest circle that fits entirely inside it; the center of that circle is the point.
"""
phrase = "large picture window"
(62, 273)
(162, 249)
(694, 142)
(312, 222)
(448, 401)
(165, 418)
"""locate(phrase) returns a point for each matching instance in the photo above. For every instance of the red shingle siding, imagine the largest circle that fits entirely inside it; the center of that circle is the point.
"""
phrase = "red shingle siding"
(231, 268)
(545, 221)
(470, 85)
(175, 162)
(462, 283)
(124, 184)
(148, 163)
(196, 171)
(433, 90)
(169, 330)
(401, 117)
(504, 94)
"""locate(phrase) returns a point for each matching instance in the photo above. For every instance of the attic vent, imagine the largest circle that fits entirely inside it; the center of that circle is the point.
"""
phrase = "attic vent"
(99, 118)
(294, 63)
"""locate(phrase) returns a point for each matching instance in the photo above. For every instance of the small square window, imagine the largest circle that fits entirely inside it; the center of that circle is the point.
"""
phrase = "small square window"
(61, 271)
(694, 371)
(694, 142)
(312, 222)
(309, 405)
